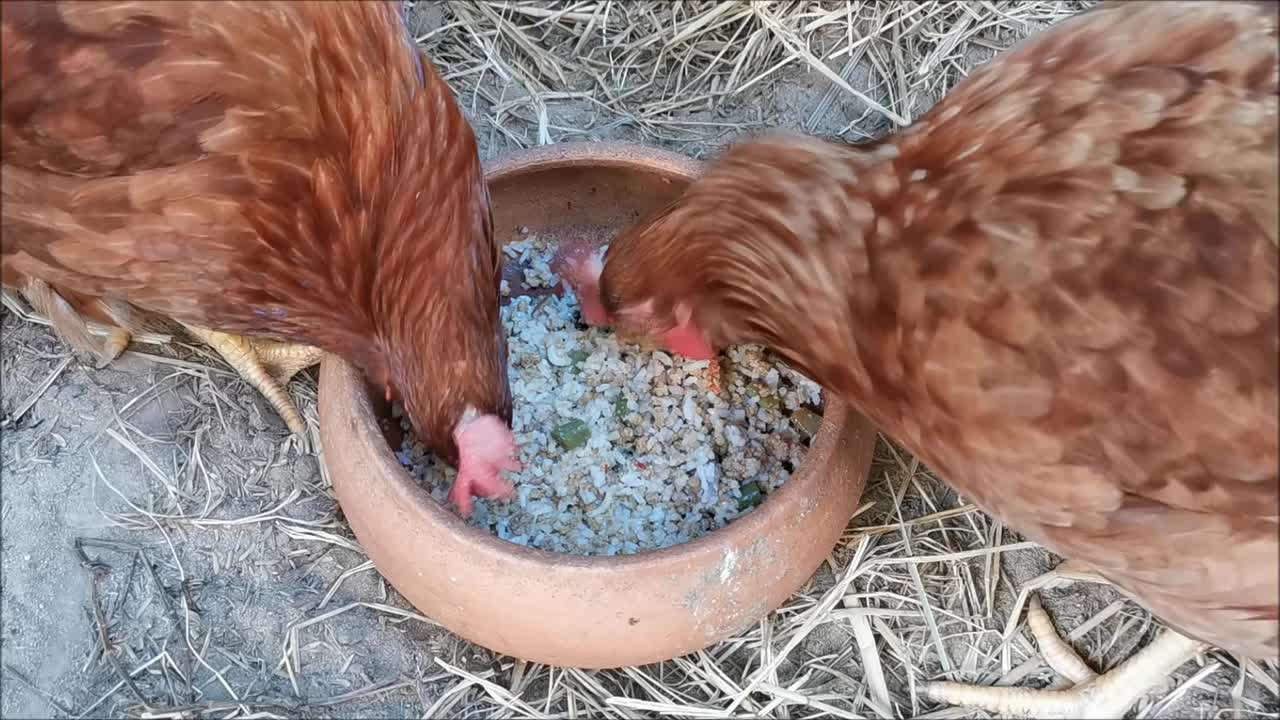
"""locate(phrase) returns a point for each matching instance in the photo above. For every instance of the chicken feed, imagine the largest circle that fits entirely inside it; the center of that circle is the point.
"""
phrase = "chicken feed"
(626, 449)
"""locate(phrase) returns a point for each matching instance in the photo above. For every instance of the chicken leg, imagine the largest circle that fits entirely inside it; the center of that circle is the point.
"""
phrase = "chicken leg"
(1108, 695)
(267, 365)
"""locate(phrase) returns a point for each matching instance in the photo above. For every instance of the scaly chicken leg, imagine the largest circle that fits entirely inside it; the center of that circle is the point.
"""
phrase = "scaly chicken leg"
(267, 365)
(1108, 695)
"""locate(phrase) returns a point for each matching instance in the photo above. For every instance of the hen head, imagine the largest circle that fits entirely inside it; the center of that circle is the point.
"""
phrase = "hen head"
(656, 312)
(440, 347)
(445, 349)
(444, 354)
(724, 264)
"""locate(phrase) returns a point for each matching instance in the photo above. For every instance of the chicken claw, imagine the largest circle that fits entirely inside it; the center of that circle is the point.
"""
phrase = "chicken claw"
(486, 449)
(1108, 695)
(116, 342)
(266, 365)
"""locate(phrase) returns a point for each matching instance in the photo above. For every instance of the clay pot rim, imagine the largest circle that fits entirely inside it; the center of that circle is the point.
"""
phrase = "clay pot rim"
(804, 482)
(607, 154)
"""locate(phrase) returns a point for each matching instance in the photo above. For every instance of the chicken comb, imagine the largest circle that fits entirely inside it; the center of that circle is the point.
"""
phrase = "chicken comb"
(571, 261)
(578, 262)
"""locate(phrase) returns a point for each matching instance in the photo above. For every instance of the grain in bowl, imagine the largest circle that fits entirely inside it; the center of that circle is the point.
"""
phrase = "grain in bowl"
(626, 449)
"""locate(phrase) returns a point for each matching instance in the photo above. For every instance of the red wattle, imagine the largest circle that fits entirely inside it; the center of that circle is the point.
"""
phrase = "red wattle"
(688, 340)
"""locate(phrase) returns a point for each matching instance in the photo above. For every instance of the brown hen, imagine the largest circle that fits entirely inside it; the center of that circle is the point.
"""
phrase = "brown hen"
(260, 172)
(1058, 288)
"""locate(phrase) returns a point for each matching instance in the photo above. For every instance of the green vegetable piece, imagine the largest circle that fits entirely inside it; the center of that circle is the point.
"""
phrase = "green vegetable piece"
(577, 355)
(808, 421)
(620, 406)
(750, 496)
(770, 402)
(571, 434)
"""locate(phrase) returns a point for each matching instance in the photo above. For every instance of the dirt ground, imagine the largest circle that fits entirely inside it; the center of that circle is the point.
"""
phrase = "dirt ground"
(158, 506)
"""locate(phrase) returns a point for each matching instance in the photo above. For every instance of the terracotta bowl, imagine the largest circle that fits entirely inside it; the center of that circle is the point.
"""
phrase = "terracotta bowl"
(588, 612)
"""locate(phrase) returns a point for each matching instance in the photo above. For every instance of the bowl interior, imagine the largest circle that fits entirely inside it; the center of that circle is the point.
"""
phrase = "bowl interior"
(576, 186)
(558, 197)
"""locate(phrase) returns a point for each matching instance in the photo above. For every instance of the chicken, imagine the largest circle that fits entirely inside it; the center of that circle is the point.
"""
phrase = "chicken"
(1058, 288)
(280, 178)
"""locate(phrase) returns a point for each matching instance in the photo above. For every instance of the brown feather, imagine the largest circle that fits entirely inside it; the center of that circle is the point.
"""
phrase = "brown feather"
(1058, 288)
(281, 169)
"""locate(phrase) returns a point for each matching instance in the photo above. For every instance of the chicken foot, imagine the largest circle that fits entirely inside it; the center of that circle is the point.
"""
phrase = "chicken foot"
(266, 365)
(113, 345)
(1108, 695)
